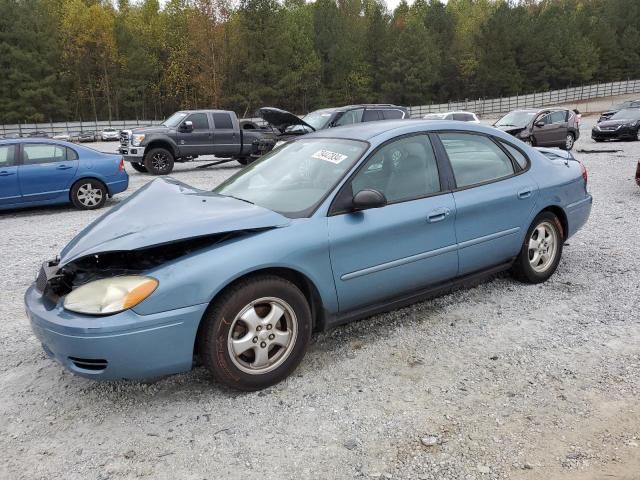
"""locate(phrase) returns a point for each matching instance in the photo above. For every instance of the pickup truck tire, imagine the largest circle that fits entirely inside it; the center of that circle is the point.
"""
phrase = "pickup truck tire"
(244, 160)
(138, 167)
(159, 161)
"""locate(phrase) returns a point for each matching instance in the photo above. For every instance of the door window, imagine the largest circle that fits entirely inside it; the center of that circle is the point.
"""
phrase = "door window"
(403, 170)
(222, 121)
(371, 115)
(71, 154)
(7, 155)
(352, 116)
(517, 155)
(199, 120)
(475, 158)
(558, 117)
(392, 114)
(38, 153)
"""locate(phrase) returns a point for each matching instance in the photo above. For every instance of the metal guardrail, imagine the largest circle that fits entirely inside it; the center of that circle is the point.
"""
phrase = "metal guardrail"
(534, 100)
(56, 128)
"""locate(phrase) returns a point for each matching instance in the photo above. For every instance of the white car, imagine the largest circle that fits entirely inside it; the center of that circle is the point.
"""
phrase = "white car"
(109, 134)
(461, 116)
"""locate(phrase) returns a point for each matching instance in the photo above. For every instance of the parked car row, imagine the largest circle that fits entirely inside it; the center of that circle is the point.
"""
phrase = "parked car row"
(76, 136)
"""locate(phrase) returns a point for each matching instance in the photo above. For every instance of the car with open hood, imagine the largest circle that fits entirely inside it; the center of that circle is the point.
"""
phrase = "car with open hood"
(333, 226)
(290, 126)
(623, 125)
(548, 127)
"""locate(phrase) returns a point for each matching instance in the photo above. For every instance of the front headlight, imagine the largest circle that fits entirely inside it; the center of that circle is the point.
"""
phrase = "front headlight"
(136, 140)
(110, 295)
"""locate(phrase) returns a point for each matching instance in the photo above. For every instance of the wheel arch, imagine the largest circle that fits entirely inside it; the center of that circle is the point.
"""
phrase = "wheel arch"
(562, 216)
(299, 279)
(162, 143)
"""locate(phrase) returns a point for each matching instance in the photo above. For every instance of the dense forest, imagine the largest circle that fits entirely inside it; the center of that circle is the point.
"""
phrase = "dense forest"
(92, 59)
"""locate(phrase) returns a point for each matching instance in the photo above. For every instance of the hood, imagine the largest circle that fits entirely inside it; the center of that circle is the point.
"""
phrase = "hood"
(615, 123)
(165, 211)
(281, 119)
(510, 129)
(151, 129)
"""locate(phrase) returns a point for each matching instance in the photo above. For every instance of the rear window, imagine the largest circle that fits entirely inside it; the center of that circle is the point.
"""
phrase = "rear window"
(463, 117)
(517, 155)
(222, 120)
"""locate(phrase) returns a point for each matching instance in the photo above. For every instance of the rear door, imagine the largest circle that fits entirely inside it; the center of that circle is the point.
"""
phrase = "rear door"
(199, 140)
(494, 196)
(47, 171)
(559, 125)
(9, 184)
(226, 137)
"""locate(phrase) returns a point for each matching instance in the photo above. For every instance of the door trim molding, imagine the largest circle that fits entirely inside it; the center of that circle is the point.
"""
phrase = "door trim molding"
(486, 238)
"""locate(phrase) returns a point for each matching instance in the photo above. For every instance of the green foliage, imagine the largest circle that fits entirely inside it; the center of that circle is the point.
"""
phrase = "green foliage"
(86, 59)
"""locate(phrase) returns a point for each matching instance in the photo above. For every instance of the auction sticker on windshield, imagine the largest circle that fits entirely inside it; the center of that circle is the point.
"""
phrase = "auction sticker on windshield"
(329, 156)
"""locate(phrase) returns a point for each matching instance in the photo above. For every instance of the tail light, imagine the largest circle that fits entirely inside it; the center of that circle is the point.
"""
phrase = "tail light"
(638, 174)
(121, 165)
(585, 174)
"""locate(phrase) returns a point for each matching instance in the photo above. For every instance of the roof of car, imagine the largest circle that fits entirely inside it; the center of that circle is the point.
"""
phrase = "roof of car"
(368, 130)
(358, 105)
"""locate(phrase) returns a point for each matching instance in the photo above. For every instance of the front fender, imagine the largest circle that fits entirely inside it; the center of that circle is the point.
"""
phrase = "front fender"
(157, 140)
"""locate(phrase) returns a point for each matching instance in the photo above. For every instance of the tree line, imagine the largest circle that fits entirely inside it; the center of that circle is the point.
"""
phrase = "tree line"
(92, 59)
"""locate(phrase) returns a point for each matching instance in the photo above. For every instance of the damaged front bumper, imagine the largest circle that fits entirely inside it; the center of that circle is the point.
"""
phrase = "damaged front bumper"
(121, 346)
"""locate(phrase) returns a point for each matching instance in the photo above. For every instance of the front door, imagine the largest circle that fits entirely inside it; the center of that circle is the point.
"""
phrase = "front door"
(197, 141)
(493, 198)
(47, 171)
(381, 253)
(9, 184)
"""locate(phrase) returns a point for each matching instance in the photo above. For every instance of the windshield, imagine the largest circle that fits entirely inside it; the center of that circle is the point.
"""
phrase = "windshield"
(517, 118)
(627, 114)
(434, 116)
(174, 120)
(318, 119)
(295, 178)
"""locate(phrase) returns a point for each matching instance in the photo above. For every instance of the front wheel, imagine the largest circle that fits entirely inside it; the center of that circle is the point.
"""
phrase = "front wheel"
(88, 194)
(159, 161)
(638, 134)
(569, 141)
(256, 333)
(244, 161)
(541, 250)
(138, 167)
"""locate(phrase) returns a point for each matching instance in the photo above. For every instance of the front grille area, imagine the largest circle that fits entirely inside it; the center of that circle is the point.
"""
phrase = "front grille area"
(93, 364)
(124, 138)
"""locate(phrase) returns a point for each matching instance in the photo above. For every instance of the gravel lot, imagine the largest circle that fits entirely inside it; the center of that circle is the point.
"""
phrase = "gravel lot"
(504, 380)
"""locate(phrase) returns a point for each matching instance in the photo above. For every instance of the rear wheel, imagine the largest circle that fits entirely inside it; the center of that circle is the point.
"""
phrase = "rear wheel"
(159, 161)
(256, 333)
(138, 167)
(569, 141)
(88, 194)
(541, 250)
(244, 160)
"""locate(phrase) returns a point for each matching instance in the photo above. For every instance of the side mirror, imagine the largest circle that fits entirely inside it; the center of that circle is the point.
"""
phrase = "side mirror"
(539, 124)
(368, 198)
(187, 126)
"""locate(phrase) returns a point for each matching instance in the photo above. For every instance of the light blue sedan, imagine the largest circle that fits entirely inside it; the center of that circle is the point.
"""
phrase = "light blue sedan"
(42, 171)
(332, 227)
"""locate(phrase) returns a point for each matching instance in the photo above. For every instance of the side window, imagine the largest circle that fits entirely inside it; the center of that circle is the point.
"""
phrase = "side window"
(475, 158)
(517, 155)
(448, 116)
(545, 119)
(38, 153)
(392, 114)
(403, 170)
(463, 117)
(222, 120)
(352, 116)
(558, 117)
(199, 120)
(71, 154)
(7, 155)
(371, 115)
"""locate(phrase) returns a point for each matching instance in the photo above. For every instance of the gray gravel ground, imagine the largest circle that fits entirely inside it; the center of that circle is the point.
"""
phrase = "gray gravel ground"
(504, 380)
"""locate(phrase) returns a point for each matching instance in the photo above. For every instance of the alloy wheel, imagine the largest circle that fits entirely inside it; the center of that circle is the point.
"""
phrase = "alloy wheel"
(262, 335)
(569, 142)
(88, 195)
(160, 161)
(543, 246)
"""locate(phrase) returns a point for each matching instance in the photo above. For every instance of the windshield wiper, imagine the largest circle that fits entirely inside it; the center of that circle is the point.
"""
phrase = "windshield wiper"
(241, 199)
(505, 125)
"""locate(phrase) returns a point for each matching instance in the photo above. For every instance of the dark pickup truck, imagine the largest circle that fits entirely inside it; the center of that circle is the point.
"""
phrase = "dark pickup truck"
(189, 133)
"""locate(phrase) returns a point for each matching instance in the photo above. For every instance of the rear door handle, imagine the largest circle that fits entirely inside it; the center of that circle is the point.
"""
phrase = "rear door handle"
(524, 194)
(4, 173)
(438, 215)
(63, 167)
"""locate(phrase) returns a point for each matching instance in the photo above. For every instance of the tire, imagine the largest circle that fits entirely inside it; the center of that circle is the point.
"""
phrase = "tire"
(569, 141)
(530, 141)
(531, 266)
(598, 140)
(243, 160)
(138, 167)
(242, 312)
(159, 161)
(638, 135)
(88, 194)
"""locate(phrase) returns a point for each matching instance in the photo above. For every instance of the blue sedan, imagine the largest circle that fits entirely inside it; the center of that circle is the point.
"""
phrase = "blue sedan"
(38, 171)
(331, 227)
